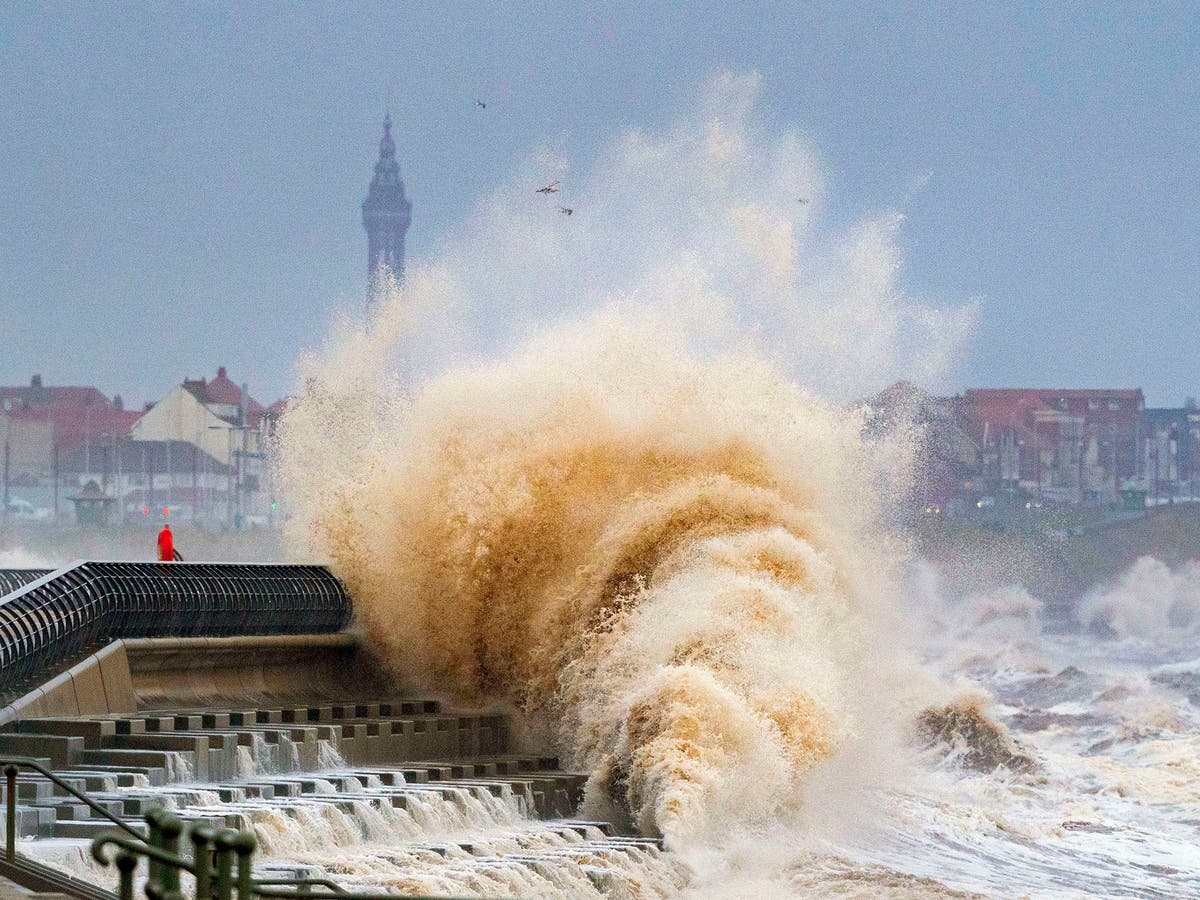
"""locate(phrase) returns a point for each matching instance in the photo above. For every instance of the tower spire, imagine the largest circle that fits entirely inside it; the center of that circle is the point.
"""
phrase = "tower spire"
(387, 146)
(386, 215)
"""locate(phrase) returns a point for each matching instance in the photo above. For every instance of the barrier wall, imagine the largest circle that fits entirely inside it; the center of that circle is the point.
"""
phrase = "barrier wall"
(49, 623)
(141, 674)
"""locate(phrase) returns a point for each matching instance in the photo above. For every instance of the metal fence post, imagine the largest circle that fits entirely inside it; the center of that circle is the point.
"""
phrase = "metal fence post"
(154, 839)
(10, 818)
(202, 838)
(126, 863)
(224, 846)
(244, 844)
(170, 828)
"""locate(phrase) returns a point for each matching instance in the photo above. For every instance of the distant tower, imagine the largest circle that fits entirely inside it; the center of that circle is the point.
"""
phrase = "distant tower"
(386, 214)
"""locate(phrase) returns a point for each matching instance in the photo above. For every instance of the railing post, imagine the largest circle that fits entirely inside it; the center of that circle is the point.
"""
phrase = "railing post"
(10, 813)
(202, 838)
(154, 838)
(170, 828)
(126, 863)
(224, 846)
(244, 844)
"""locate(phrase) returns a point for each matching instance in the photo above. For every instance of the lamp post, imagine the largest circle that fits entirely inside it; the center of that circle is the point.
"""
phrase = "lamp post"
(7, 459)
(241, 455)
(228, 429)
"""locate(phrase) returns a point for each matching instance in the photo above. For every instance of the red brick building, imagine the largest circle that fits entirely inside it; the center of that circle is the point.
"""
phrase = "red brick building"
(1068, 445)
(42, 425)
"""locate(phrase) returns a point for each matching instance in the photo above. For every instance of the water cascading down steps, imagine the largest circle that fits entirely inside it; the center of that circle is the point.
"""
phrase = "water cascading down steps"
(287, 737)
(370, 793)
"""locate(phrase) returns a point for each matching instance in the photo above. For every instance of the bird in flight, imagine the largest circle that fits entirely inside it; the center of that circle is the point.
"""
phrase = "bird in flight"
(551, 188)
(565, 210)
(801, 199)
(480, 103)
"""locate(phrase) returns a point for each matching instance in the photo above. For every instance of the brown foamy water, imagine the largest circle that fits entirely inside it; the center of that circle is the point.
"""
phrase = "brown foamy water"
(668, 565)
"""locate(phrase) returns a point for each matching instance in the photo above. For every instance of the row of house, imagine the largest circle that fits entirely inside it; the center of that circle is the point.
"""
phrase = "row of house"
(197, 454)
(1049, 446)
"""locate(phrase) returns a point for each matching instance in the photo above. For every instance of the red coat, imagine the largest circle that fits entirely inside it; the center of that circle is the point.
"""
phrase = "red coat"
(166, 545)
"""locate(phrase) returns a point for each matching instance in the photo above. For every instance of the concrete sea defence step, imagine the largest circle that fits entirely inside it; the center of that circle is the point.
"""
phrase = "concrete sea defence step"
(204, 745)
(371, 792)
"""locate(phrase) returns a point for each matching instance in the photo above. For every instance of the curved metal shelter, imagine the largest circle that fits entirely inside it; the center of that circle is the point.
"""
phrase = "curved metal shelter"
(15, 579)
(55, 617)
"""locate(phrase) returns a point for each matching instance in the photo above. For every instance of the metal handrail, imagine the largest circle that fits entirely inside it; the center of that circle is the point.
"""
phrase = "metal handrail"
(214, 876)
(11, 766)
(160, 847)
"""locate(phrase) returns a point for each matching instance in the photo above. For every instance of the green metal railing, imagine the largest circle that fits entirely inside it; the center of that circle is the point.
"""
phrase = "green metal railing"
(214, 854)
(11, 767)
(221, 861)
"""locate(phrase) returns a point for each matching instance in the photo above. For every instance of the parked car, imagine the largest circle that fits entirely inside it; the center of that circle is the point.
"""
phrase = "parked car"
(23, 510)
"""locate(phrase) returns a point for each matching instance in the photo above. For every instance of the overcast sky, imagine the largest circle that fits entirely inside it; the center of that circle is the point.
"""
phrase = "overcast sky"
(180, 184)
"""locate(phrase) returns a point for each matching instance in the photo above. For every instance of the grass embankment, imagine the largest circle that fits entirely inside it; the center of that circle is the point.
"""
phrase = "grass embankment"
(1050, 561)
(1169, 533)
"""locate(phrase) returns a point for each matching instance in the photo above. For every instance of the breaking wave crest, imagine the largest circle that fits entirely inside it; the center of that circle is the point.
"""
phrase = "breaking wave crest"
(1150, 600)
(670, 565)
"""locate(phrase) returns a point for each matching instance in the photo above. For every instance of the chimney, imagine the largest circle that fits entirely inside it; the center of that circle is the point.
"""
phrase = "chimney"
(36, 382)
(221, 372)
(118, 403)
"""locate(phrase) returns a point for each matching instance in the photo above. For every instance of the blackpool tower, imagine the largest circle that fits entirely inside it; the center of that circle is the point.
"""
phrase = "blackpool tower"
(386, 215)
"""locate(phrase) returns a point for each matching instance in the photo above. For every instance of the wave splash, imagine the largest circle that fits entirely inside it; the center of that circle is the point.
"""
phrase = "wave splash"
(671, 566)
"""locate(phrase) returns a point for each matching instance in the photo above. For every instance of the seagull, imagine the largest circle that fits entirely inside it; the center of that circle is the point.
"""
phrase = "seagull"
(480, 103)
(565, 210)
(801, 199)
(551, 188)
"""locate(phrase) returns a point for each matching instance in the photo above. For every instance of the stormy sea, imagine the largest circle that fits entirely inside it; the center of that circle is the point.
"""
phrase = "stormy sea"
(615, 478)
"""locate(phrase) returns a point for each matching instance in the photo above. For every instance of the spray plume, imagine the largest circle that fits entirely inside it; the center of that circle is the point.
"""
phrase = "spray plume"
(632, 526)
(668, 559)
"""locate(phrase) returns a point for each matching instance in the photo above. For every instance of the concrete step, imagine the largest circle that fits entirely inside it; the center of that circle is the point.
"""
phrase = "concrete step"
(126, 774)
(364, 731)
(34, 821)
(87, 829)
(61, 750)
(72, 809)
(143, 761)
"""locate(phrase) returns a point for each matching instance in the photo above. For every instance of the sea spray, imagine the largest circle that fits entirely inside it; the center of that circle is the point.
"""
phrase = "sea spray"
(672, 565)
(632, 528)
(1149, 601)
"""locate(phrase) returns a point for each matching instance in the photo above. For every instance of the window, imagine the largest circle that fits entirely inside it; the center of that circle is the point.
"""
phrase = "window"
(1093, 403)
(1114, 404)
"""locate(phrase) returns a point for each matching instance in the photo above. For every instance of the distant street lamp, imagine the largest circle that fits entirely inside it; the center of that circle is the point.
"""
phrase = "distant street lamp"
(241, 455)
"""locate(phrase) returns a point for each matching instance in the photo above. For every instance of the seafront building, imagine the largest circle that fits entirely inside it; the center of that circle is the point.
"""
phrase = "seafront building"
(198, 454)
(1033, 448)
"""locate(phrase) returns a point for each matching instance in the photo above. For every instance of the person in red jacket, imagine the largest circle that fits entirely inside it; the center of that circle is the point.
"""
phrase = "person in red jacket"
(166, 545)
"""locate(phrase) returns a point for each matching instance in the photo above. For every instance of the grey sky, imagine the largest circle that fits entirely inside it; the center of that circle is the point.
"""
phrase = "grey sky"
(179, 184)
